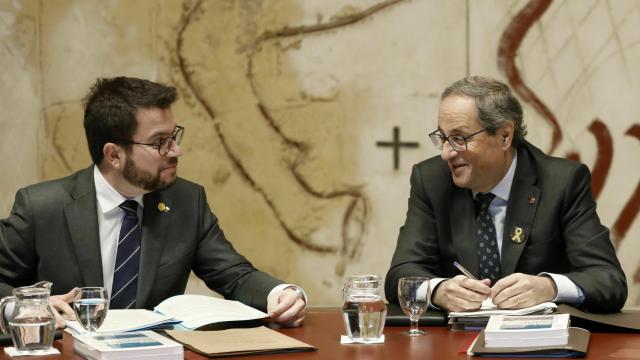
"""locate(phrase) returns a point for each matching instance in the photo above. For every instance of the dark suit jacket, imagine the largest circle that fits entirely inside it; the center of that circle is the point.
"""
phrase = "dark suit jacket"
(550, 201)
(52, 234)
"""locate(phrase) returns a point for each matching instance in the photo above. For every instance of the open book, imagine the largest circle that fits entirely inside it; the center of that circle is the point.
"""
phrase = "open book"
(198, 311)
(187, 312)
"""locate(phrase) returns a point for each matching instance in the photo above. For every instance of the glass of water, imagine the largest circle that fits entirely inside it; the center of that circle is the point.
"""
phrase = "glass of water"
(413, 293)
(90, 306)
(363, 309)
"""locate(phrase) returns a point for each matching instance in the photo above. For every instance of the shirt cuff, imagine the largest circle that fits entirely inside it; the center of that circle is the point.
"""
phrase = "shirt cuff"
(568, 291)
(294, 287)
(433, 283)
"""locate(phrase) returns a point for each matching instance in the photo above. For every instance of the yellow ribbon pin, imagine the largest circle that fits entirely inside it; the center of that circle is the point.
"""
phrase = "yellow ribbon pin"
(163, 207)
(517, 235)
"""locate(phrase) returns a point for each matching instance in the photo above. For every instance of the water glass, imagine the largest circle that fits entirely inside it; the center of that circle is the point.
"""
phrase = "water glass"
(90, 305)
(413, 295)
(364, 310)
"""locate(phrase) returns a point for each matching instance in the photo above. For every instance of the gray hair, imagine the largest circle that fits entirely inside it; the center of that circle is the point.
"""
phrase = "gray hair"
(495, 104)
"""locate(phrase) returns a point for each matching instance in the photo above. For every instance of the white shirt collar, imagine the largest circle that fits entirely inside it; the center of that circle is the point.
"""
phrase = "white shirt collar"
(503, 188)
(108, 198)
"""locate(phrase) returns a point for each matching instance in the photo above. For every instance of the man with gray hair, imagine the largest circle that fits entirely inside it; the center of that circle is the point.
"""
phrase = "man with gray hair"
(523, 223)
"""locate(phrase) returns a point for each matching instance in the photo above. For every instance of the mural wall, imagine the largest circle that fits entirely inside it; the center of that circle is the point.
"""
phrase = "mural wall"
(303, 118)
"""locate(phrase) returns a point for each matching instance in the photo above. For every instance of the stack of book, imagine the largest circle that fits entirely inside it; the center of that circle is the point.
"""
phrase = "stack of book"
(530, 336)
(535, 330)
(131, 345)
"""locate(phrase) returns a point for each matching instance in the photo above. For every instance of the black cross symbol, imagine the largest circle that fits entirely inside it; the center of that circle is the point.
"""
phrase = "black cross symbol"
(396, 144)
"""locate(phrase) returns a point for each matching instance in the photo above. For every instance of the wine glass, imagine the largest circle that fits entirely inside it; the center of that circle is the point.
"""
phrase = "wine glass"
(90, 306)
(413, 293)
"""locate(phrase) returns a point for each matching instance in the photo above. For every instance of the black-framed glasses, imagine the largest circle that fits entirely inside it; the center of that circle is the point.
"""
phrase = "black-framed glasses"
(164, 144)
(457, 142)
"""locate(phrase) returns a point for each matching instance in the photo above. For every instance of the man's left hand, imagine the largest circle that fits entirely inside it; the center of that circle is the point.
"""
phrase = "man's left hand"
(286, 307)
(518, 291)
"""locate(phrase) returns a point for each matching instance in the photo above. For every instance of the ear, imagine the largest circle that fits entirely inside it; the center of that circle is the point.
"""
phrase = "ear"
(507, 131)
(114, 155)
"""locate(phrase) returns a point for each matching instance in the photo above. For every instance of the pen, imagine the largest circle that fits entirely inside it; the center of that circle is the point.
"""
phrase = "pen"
(464, 271)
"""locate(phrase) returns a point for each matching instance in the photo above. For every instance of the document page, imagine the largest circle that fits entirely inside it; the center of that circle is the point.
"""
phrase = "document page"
(125, 320)
(488, 309)
(199, 310)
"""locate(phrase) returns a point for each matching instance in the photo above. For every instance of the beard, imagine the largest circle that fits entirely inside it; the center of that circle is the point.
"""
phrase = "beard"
(144, 179)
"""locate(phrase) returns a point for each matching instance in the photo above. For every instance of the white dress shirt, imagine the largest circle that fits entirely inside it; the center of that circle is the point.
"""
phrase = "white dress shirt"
(110, 218)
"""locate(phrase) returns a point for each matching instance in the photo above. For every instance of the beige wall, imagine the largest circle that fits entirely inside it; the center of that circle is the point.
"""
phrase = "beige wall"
(300, 187)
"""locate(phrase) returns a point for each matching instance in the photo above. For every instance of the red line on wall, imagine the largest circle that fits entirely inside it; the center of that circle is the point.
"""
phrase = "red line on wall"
(509, 44)
(604, 156)
(631, 208)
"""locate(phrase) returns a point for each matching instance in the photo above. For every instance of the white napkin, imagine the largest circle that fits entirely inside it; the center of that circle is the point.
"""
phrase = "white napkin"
(347, 340)
(13, 352)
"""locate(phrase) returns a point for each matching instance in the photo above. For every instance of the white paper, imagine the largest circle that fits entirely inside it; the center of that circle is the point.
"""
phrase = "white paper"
(198, 310)
(489, 309)
(13, 352)
(120, 320)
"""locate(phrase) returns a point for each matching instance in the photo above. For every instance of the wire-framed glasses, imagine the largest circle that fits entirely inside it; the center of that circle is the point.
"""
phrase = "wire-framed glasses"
(164, 144)
(457, 142)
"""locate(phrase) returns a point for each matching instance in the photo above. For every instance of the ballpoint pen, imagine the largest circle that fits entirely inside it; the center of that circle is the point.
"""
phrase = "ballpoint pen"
(464, 271)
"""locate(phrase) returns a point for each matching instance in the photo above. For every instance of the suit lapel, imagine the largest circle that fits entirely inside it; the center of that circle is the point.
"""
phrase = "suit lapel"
(462, 215)
(154, 233)
(521, 209)
(82, 220)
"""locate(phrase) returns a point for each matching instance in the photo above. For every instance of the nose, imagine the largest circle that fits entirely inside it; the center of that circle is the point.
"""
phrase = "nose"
(175, 150)
(448, 152)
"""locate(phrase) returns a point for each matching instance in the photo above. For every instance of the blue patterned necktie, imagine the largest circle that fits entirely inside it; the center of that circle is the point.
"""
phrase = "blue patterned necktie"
(125, 275)
(488, 254)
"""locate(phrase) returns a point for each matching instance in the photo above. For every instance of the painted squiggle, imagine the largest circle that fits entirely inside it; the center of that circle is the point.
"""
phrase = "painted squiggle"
(509, 44)
(354, 219)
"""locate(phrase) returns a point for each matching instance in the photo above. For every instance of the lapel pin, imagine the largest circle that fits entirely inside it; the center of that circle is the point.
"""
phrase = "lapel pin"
(532, 199)
(163, 207)
(517, 235)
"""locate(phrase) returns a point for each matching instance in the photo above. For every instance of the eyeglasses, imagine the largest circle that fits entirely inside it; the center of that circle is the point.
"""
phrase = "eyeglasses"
(457, 142)
(163, 145)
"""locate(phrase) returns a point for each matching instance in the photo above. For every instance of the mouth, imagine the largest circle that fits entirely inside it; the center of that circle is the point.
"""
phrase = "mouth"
(170, 167)
(456, 167)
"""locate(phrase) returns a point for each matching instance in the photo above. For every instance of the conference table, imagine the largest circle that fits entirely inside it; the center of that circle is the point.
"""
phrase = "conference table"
(323, 327)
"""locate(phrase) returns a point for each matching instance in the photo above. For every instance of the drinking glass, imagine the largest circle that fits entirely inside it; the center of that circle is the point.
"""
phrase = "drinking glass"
(90, 306)
(363, 309)
(413, 293)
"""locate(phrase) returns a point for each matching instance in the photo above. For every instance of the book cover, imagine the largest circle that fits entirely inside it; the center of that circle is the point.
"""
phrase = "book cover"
(527, 330)
(132, 345)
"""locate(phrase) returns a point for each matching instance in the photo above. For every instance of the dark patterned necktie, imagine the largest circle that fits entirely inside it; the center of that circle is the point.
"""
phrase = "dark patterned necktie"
(125, 275)
(488, 254)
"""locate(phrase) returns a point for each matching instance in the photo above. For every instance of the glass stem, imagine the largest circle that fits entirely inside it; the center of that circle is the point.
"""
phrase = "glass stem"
(414, 325)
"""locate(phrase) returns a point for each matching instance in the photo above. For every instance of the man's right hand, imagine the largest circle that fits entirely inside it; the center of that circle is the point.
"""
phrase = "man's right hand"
(61, 308)
(461, 293)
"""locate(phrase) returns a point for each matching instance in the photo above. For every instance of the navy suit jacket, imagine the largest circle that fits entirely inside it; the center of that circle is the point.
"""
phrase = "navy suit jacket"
(550, 201)
(52, 234)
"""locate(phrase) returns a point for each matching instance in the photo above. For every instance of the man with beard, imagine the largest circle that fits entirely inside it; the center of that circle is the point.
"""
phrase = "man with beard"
(127, 222)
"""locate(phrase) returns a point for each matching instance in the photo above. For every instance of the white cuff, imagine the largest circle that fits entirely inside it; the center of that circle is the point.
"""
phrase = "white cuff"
(568, 291)
(295, 287)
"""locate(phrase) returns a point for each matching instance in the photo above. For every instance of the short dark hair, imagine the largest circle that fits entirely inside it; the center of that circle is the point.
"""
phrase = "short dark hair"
(111, 105)
(495, 104)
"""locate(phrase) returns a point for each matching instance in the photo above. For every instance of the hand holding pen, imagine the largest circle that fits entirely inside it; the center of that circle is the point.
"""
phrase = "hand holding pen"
(463, 270)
